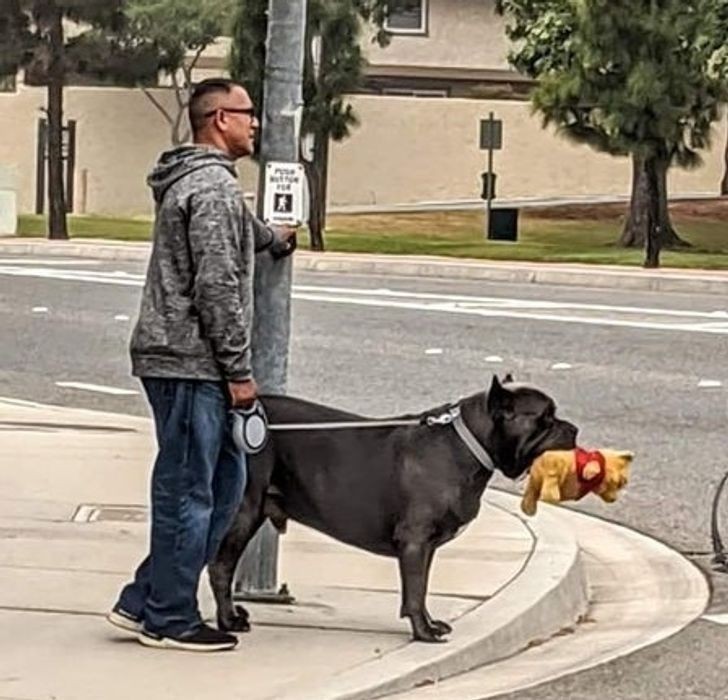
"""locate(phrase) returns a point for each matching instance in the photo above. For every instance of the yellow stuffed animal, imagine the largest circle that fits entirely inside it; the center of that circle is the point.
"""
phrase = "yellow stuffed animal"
(568, 475)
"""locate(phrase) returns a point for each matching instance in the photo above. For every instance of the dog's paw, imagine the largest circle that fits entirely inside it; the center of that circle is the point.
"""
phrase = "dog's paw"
(441, 627)
(430, 633)
(239, 622)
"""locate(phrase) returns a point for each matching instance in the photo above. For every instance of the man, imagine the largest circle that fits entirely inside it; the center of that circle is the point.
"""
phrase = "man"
(191, 349)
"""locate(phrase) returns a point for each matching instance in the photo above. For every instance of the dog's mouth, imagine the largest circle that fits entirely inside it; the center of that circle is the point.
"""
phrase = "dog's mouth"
(562, 436)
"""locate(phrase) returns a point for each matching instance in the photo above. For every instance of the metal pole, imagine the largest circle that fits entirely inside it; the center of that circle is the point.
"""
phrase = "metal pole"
(489, 200)
(256, 575)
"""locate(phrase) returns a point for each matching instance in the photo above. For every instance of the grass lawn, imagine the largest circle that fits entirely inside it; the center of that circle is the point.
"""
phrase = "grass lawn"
(579, 233)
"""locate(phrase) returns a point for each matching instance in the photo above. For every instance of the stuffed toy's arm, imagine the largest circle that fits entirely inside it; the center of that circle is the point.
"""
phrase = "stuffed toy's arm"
(530, 496)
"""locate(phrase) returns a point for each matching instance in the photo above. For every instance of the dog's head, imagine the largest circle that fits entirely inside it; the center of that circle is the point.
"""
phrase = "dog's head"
(524, 426)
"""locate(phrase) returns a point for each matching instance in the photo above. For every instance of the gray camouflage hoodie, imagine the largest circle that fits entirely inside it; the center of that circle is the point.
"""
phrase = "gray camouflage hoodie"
(197, 306)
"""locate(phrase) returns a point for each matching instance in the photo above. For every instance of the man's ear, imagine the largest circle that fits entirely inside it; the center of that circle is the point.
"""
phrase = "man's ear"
(499, 397)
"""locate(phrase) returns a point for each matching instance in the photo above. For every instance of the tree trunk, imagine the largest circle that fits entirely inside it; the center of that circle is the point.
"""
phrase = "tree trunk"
(634, 234)
(57, 227)
(317, 176)
(653, 239)
(724, 182)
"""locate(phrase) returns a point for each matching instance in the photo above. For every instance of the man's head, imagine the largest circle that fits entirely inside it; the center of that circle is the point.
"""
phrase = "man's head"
(222, 115)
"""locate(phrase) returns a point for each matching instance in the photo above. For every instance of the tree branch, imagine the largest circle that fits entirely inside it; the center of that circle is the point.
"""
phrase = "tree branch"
(158, 105)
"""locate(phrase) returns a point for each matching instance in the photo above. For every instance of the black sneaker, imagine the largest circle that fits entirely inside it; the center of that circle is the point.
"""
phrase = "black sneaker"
(124, 620)
(204, 638)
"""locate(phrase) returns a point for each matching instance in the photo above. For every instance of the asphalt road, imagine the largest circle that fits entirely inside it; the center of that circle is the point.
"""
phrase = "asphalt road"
(635, 370)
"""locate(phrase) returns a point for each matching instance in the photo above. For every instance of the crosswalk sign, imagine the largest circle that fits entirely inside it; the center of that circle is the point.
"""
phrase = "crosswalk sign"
(283, 202)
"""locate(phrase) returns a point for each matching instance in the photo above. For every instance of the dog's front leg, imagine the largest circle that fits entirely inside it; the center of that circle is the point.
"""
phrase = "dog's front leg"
(414, 570)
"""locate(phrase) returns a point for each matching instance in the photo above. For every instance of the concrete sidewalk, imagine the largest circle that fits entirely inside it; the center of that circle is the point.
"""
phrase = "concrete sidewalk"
(595, 276)
(73, 489)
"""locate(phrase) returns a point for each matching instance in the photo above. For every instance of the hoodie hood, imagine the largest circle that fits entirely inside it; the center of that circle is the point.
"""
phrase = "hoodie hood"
(180, 162)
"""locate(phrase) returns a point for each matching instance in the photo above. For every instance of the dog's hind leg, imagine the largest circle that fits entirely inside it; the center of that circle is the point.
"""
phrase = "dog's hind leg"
(414, 568)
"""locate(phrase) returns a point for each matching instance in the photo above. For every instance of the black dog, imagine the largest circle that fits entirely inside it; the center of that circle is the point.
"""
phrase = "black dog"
(397, 491)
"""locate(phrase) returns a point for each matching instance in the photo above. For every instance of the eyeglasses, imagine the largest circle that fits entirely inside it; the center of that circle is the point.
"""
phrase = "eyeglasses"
(250, 111)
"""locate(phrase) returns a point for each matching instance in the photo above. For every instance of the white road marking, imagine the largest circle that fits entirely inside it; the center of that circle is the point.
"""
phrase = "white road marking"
(561, 366)
(121, 317)
(676, 320)
(500, 302)
(120, 278)
(114, 391)
(50, 263)
(718, 329)
(494, 359)
(718, 618)
(709, 384)
(40, 309)
(433, 351)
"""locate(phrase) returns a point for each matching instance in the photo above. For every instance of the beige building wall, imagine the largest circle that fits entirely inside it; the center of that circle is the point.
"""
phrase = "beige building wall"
(118, 131)
(406, 151)
(460, 34)
(410, 150)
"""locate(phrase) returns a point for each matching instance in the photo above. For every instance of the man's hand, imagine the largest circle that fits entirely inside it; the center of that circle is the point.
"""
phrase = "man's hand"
(284, 243)
(243, 394)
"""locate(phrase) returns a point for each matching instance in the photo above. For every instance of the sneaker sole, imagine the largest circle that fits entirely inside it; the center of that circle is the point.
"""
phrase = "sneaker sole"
(124, 623)
(179, 644)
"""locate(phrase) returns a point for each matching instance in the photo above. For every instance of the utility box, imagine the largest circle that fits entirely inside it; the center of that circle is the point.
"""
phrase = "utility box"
(503, 224)
(8, 202)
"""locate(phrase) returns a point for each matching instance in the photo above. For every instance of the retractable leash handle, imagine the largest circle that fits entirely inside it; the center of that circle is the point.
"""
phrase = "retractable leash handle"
(250, 428)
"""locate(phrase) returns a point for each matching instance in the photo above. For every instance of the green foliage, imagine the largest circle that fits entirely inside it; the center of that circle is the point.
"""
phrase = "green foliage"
(178, 27)
(97, 48)
(624, 76)
(338, 23)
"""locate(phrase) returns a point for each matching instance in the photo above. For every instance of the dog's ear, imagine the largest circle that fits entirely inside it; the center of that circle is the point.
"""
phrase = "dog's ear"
(500, 398)
(508, 379)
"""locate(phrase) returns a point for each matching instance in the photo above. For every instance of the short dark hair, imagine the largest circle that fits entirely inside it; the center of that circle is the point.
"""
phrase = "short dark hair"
(200, 102)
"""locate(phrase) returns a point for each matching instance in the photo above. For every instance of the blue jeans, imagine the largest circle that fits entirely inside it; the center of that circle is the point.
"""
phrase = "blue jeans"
(197, 486)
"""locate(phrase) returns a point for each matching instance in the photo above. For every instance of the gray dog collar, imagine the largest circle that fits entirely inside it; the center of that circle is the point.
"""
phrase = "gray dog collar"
(454, 416)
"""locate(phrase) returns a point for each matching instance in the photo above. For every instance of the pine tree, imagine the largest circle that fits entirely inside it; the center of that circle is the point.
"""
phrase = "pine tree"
(627, 77)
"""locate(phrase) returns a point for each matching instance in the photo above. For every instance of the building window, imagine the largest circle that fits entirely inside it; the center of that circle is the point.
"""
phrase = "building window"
(409, 19)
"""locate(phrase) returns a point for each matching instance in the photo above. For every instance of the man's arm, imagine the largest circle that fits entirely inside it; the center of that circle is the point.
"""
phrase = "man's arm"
(279, 241)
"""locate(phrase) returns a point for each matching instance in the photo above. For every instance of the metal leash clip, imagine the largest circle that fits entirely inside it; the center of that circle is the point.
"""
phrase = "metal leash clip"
(250, 428)
(444, 418)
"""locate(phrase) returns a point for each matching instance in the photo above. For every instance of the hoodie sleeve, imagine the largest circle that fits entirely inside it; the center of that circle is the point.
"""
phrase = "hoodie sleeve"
(262, 234)
(266, 237)
(223, 293)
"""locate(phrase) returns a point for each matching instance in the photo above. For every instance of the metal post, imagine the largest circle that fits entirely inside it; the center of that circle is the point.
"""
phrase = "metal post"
(256, 575)
(41, 156)
(489, 200)
(70, 164)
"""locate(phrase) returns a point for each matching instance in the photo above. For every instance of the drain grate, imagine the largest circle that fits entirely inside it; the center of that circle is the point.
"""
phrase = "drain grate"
(96, 513)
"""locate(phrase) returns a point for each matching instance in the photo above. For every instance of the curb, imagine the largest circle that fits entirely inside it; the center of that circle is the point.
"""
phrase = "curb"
(590, 276)
(549, 594)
